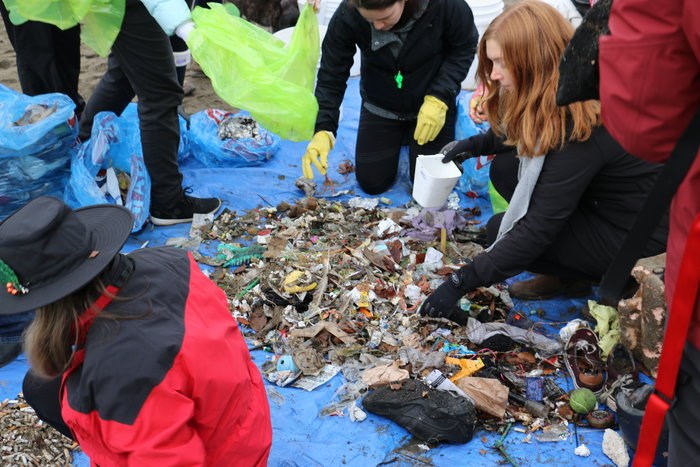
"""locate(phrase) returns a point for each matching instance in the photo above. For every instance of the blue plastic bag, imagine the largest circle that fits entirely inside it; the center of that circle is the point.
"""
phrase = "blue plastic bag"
(475, 175)
(207, 147)
(36, 135)
(130, 115)
(114, 143)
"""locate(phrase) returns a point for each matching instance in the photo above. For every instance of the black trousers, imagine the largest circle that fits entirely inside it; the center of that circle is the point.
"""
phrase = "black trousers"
(684, 416)
(43, 395)
(141, 64)
(48, 59)
(570, 255)
(379, 142)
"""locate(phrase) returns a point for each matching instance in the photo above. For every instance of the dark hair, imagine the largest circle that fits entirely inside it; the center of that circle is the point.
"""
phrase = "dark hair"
(410, 7)
(373, 4)
(408, 10)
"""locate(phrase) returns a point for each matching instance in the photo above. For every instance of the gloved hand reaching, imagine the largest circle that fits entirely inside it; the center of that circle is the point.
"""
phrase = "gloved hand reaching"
(458, 151)
(431, 119)
(317, 153)
(442, 303)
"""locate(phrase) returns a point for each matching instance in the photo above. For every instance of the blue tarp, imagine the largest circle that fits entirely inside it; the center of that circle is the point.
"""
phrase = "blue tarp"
(302, 437)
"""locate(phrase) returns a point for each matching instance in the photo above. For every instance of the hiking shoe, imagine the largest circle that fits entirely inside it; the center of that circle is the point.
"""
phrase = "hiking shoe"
(542, 287)
(621, 375)
(582, 358)
(428, 414)
(185, 209)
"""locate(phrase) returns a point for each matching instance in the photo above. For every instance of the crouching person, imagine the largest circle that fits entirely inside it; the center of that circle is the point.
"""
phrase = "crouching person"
(574, 193)
(136, 356)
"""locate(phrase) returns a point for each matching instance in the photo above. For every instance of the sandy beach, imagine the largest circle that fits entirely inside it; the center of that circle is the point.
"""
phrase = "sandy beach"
(93, 66)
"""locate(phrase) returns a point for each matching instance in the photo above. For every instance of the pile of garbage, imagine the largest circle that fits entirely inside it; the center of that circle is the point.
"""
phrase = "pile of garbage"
(332, 287)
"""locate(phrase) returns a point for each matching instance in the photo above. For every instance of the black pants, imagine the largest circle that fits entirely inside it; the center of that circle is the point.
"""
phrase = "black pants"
(48, 59)
(684, 416)
(44, 397)
(570, 255)
(379, 142)
(141, 64)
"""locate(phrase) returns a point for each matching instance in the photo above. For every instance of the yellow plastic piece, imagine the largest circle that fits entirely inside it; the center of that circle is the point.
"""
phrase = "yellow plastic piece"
(468, 367)
(295, 282)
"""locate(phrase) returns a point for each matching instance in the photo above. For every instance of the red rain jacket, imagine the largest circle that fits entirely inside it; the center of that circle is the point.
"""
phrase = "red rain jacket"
(173, 382)
(650, 90)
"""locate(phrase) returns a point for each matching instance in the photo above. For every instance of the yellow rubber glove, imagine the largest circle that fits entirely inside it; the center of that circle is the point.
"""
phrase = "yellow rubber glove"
(317, 153)
(431, 119)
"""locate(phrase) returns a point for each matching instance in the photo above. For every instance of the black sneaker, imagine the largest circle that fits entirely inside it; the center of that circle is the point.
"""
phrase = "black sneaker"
(185, 209)
(428, 414)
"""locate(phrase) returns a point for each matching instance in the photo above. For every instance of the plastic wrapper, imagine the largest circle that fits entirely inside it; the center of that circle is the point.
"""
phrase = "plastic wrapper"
(253, 70)
(36, 136)
(234, 149)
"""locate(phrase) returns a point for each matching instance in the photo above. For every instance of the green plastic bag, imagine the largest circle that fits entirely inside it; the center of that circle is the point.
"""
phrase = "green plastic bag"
(100, 19)
(251, 69)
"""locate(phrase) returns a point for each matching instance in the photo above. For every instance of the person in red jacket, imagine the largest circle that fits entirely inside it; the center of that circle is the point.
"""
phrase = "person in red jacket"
(650, 90)
(137, 356)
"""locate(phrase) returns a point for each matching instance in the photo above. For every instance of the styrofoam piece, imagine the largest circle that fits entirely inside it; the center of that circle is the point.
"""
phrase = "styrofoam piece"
(434, 180)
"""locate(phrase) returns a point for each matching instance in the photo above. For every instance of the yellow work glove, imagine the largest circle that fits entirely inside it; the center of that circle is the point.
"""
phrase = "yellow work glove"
(431, 119)
(317, 153)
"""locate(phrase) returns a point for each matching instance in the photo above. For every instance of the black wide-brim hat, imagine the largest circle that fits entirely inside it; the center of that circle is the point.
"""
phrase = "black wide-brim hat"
(52, 250)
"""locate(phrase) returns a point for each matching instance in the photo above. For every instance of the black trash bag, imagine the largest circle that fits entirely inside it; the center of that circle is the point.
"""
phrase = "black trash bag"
(579, 76)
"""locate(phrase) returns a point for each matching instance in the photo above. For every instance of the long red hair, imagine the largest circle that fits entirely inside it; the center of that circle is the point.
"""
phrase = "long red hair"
(532, 36)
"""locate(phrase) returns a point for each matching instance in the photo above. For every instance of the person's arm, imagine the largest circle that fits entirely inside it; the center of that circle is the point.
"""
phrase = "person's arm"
(459, 48)
(564, 179)
(170, 14)
(337, 55)
(650, 74)
(477, 145)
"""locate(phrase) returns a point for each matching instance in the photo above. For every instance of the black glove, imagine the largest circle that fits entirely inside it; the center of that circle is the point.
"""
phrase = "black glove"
(458, 151)
(442, 303)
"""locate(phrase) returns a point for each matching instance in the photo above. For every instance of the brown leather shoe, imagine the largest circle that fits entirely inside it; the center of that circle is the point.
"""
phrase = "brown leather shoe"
(543, 286)
(582, 359)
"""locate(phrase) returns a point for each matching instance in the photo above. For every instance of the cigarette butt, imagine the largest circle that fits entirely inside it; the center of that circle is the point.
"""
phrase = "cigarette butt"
(443, 240)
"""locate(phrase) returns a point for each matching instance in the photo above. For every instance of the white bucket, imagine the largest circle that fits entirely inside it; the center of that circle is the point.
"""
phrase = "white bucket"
(434, 180)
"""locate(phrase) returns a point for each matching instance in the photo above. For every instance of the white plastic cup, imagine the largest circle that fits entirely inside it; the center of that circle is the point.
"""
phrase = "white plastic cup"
(434, 180)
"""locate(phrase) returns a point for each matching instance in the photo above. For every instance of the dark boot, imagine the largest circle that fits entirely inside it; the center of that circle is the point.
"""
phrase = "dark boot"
(542, 287)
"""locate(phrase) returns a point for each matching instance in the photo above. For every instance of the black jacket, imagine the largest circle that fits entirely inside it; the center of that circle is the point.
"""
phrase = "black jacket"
(434, 60)
(593, 189)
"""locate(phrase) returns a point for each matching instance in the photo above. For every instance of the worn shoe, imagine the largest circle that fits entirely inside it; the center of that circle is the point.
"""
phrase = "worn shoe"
(185, 209)
(582, 358)
(428, 414)
(542, 287)
(621, 374)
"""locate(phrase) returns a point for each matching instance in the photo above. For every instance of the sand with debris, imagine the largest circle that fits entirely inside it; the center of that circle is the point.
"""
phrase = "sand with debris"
(93, 67)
